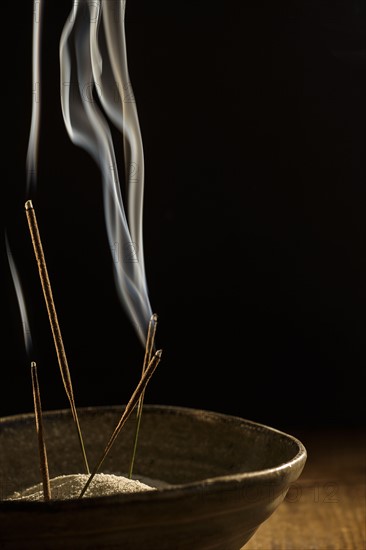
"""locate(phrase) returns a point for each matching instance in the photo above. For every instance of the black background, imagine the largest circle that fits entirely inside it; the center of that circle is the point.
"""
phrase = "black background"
(253, 124)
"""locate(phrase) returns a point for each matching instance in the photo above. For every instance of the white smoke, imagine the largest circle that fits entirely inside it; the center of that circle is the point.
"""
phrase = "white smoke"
(96, 91)
(33, 142)
(20, 298)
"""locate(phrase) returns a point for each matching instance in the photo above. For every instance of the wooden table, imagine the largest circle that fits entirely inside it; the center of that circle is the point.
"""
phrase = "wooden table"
(326, 508)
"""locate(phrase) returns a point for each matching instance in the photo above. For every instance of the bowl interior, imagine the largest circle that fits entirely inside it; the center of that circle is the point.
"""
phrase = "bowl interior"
(176, 445)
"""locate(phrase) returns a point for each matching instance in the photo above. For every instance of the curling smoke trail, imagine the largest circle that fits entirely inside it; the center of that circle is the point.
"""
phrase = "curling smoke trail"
(33, 143)
(20, 298)
(93, 64)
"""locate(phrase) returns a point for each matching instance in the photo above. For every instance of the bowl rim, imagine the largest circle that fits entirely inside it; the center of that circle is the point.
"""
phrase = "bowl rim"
(211, 484)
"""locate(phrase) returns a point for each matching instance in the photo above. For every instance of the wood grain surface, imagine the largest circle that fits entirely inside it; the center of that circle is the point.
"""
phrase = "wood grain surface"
(325, 509)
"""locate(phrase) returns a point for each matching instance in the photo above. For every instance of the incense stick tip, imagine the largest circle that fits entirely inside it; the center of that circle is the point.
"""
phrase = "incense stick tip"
(33, 364)
(154, 318)
(159, 353)
(28, 205)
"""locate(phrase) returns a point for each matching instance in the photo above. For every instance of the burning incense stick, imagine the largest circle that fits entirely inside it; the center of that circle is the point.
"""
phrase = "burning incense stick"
(148, 353)
(52, 315)
(150, 340)
(43, 463)
(149, 371)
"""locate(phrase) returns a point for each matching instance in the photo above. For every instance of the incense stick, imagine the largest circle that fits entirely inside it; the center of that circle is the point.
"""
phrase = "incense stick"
(52, 315)
(43, 463)
(148, 352)
(149, 371)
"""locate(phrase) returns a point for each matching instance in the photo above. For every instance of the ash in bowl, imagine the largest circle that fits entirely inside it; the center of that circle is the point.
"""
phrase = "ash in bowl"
(69, 487)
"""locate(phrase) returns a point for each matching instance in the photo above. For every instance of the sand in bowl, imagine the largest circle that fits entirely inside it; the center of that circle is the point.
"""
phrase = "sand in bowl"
(69, 486)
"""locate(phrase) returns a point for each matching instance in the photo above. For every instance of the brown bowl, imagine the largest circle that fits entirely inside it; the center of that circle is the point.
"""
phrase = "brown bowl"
(225, 476)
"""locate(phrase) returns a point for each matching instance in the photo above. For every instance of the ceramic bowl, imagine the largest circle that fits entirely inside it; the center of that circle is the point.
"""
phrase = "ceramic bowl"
(222, 475)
